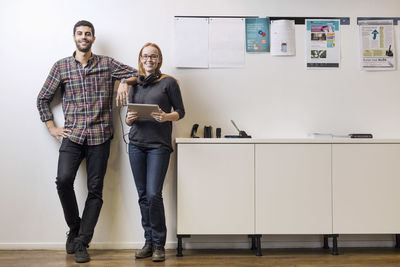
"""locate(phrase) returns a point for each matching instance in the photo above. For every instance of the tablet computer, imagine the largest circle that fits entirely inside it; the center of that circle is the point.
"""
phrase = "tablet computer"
(144, 110)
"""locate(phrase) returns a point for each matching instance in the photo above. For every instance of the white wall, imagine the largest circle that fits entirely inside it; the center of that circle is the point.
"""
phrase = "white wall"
(270, 97)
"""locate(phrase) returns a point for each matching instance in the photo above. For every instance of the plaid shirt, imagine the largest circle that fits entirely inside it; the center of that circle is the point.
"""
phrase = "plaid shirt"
(87, 96)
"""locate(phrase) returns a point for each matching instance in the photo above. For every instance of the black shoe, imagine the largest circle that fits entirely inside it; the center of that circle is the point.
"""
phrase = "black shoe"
(69, 245)
(158, 253)
(145, 252)
(81, 254)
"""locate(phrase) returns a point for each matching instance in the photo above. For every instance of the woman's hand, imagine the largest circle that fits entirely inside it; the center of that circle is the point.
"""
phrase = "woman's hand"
(160, 116)
(131, 117)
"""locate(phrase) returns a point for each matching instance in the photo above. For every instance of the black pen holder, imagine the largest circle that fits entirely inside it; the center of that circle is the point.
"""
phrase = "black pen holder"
(207, 131)
(218, 133)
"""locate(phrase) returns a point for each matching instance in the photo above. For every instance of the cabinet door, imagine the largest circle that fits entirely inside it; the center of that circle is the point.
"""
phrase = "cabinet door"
(366, 188)
(215, 189)
(293, 189)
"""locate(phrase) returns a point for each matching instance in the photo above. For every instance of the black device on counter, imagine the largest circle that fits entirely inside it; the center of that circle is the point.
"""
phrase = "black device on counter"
(360, 135)
(242, 134)
(218, 132)
(194, 131)
(207, 131)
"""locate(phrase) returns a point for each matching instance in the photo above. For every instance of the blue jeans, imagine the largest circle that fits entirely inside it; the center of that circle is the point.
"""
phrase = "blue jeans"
(70, 158)
(149, 166)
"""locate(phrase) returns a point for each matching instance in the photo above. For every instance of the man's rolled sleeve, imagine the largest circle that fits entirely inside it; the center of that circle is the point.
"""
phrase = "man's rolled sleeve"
(47, 93)
(120, 70)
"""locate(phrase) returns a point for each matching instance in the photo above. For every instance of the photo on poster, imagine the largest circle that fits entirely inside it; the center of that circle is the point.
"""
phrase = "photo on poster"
(318, 53)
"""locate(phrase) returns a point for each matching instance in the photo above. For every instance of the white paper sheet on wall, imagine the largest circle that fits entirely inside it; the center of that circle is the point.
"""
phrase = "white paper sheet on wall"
(227, 42)
(191, 43)
(283, 39)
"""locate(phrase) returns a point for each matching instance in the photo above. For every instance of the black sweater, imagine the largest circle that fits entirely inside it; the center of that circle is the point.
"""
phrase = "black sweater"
(149, 133)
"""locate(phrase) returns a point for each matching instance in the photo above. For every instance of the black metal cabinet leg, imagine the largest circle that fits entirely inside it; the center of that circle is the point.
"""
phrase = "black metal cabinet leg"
(335, 248)
(253, 242)
(326, 245)
(397, 241)
(258, 238)
(180, 247)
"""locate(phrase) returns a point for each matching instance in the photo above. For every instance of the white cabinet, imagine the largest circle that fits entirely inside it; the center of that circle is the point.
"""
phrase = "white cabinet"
(366, 188)
(288, 186)
(215, 189)
(293, 189)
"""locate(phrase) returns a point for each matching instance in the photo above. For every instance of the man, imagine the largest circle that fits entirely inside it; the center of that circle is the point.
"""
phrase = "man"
(86, 82)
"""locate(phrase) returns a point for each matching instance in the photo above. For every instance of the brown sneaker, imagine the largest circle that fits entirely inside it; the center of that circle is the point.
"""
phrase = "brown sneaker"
(145, 252)
(158, 253)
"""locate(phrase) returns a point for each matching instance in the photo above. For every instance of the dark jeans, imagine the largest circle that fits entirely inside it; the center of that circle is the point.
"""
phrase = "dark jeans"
(149, 167)
(71, 156)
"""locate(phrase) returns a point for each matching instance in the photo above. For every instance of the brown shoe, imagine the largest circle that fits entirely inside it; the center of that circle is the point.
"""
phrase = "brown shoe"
(145, 252)
(158, 253)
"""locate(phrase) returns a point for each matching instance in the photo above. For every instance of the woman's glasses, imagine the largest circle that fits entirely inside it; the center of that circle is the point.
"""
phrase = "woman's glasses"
(146, 57)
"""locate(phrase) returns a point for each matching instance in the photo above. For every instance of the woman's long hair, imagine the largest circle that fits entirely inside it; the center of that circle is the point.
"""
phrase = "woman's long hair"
(140, 64)
(141, 70)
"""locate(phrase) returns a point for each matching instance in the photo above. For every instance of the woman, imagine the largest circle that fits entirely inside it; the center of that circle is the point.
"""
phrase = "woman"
(150, 145)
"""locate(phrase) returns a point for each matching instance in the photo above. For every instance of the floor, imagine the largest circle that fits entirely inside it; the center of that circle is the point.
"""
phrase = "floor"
(220, 258)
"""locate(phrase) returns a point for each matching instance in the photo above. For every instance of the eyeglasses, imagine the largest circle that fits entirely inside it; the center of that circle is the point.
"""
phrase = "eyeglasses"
(146, 57)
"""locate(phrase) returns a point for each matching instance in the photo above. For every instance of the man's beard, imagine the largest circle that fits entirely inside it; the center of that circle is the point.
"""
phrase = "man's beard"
(81, 49)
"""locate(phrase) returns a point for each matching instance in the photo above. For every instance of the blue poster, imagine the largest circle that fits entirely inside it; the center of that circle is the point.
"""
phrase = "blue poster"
(257, 35)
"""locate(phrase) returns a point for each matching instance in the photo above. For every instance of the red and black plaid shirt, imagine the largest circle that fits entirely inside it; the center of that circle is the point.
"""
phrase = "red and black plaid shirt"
(87, 96)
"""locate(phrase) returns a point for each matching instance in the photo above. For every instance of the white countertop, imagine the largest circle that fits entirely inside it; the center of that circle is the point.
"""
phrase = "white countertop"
(286, 141)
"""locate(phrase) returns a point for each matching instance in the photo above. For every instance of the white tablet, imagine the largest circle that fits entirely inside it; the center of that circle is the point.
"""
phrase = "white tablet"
(144, 110)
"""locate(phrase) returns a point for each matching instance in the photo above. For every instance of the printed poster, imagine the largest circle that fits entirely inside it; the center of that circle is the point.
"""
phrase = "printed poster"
(377, 45)
(283, 39)
(257, 35)
(322, 43)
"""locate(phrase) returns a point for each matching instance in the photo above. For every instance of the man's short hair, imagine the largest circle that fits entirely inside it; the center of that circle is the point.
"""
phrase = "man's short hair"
(84, 23)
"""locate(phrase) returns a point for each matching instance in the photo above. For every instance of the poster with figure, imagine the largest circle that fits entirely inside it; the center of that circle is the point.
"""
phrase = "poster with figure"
(283, 39)
(376, 45)
(257, 35)
(322, 43)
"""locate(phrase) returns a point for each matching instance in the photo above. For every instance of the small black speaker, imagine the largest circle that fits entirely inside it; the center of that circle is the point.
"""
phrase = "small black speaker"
(207, 131)
(218, 133)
